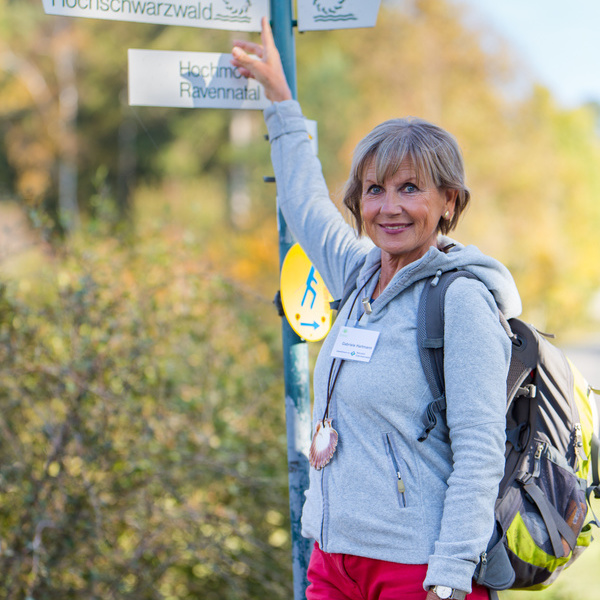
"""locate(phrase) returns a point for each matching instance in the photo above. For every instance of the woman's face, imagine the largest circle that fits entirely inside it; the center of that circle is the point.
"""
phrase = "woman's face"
(401, 214)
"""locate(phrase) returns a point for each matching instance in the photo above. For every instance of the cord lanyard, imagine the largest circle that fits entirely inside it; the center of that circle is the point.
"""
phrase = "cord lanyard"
(325, 438)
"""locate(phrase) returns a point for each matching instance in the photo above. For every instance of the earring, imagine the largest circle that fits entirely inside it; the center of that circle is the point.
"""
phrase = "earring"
(447, 215)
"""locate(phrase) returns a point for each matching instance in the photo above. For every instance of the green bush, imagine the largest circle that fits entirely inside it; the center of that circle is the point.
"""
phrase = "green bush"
(142, 433)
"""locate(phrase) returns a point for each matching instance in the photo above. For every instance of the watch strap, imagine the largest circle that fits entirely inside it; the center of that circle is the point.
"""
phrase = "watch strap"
(455, 595)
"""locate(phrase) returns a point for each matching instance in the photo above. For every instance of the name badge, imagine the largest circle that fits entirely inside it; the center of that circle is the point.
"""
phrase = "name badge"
(354, 343)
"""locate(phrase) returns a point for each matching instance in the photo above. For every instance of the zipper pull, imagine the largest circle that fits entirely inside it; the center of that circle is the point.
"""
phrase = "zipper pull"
(401, 486)
(579, 442)
(483, 568)
(536, 459)
(436, 279)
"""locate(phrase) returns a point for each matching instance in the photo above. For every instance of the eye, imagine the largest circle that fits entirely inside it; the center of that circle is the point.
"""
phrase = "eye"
(410, 188)
(374, 189)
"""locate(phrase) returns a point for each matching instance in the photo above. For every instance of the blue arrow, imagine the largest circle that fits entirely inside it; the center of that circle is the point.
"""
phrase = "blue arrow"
(314, 324)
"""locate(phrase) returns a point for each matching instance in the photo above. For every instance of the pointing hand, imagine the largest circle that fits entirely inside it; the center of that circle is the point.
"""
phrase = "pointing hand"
(266, 68)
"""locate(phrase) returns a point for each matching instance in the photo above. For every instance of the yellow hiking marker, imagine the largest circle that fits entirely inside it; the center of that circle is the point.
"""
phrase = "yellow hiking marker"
(304, 297)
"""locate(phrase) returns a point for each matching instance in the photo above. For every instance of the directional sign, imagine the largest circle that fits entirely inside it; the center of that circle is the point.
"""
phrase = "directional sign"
(190, 80)
(236, 15)
(336, 14)
(304, 296)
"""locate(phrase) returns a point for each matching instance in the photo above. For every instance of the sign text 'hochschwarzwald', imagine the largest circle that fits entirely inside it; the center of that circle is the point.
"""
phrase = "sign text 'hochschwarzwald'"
(237, 15)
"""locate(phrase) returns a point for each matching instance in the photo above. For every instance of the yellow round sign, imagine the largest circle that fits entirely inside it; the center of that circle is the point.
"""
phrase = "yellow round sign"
(304, 296)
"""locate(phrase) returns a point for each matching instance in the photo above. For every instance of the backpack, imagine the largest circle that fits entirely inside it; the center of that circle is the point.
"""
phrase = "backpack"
(543, 510)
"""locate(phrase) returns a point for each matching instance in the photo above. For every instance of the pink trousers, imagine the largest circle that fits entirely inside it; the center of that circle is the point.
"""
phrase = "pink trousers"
(347, 577)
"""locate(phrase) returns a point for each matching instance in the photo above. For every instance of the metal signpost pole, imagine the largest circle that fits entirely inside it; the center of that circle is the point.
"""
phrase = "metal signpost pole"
(295, 350)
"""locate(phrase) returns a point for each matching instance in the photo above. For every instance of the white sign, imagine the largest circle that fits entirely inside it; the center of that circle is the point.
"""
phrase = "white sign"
(190, 80)
(336, 14)
(236, 15)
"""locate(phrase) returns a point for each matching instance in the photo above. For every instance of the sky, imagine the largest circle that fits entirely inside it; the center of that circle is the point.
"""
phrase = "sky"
(558, 41)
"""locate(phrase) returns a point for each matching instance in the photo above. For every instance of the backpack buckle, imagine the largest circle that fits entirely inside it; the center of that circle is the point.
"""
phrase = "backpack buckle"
(527, 391)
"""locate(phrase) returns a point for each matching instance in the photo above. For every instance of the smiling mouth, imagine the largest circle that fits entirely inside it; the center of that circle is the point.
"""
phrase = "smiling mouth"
(395, 227)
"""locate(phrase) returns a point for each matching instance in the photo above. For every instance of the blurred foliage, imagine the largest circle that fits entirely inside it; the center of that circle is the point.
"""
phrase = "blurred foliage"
(142, 448)
(532, 165)
(142, 436)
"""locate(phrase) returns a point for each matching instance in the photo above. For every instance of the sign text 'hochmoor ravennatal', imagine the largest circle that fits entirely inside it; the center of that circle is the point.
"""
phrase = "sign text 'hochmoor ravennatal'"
(190, 80)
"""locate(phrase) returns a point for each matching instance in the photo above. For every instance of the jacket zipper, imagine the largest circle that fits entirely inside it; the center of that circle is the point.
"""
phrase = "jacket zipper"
(400, 481)
(322, 540)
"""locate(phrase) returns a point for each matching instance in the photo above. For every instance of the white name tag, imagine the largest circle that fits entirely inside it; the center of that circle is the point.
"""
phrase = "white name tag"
(355, 343)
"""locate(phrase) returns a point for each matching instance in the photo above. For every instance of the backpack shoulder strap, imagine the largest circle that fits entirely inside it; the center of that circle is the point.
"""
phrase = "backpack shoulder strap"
(595, 450)
(595, 468)
(430, 338)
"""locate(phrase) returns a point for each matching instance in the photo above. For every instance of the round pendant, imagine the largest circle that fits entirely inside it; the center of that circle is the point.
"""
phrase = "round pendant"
(323, 444)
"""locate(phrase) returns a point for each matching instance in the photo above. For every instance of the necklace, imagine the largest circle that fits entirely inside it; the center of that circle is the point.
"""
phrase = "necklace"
(325, 439)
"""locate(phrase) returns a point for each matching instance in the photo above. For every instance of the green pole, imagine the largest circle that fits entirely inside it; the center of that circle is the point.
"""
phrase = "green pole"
(295, 350)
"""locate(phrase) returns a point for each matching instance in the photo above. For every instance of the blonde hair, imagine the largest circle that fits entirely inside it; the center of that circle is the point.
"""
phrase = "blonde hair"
(433, 152)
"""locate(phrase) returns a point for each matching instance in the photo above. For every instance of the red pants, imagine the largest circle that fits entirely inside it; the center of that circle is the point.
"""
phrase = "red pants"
(347, 577)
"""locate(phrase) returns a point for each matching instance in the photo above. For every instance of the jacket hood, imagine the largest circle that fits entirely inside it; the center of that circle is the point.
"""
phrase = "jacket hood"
(491, 272)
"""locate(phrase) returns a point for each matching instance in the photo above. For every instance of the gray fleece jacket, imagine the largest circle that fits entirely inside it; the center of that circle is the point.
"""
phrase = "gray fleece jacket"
(443, 514)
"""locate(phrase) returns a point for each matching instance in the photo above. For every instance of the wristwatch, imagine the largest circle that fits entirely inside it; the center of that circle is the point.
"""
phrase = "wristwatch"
(445, 593)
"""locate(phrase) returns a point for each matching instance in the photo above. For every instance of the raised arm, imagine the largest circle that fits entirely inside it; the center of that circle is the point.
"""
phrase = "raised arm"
(331, 244)
(266, 68)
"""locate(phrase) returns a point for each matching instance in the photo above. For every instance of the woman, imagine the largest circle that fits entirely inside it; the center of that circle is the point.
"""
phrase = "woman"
(392, 517)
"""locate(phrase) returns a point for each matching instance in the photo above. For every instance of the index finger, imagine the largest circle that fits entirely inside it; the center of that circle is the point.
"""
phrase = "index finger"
(266, 34)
